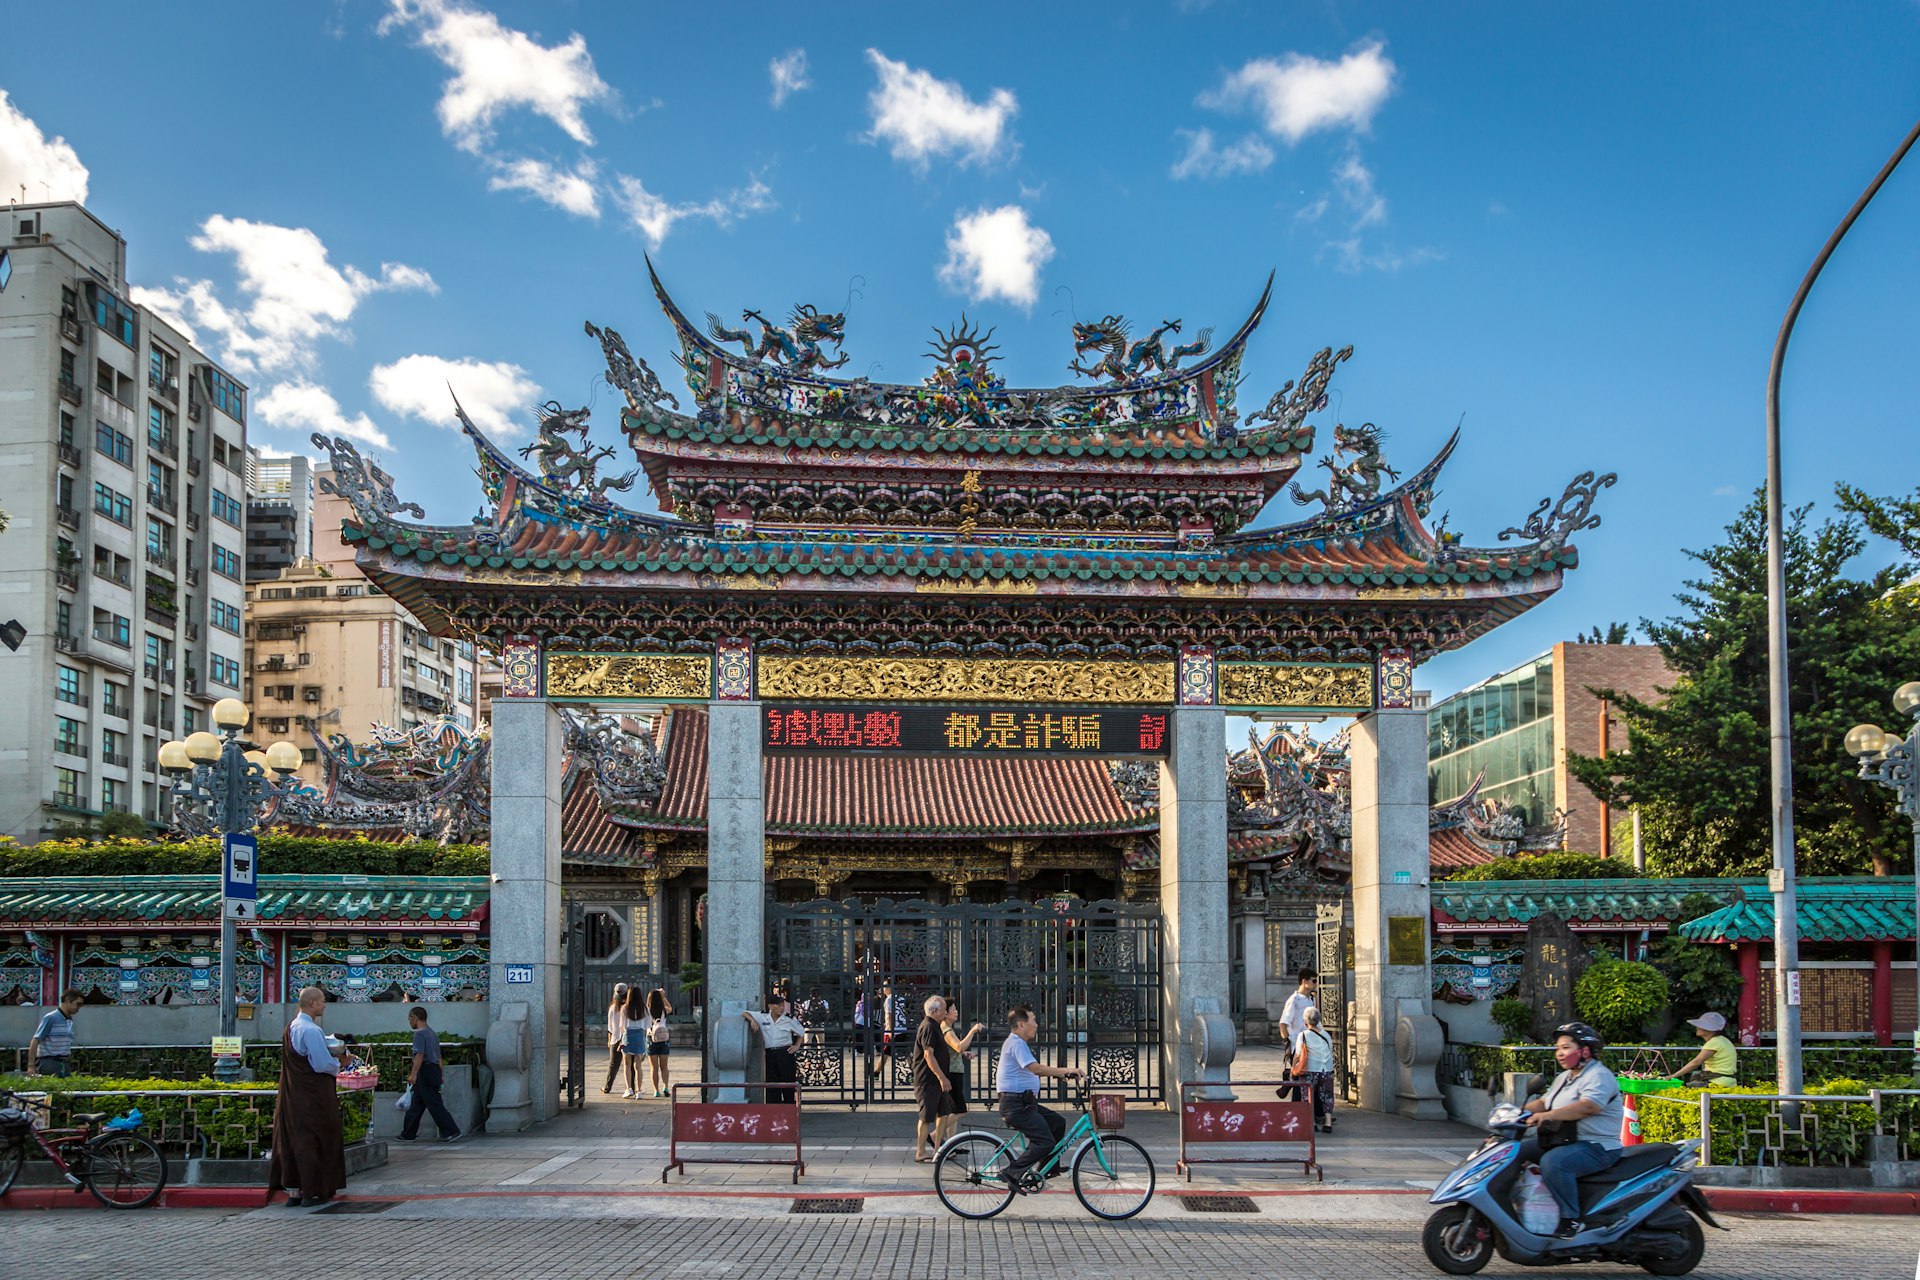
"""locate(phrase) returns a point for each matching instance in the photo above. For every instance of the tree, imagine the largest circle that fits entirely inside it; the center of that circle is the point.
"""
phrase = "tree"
(1616, 633)
(1895, 519)
(1697, 764)
(1699, 976)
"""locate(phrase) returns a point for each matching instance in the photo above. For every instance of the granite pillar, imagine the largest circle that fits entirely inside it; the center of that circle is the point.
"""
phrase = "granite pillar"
(735, 963)
(523, 912)
(1392, 915)
(1253, 952)
(1193, 899)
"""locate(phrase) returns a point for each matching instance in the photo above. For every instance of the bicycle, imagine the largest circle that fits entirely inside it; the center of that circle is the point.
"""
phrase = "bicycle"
(1112, 1175)
(124, 1169)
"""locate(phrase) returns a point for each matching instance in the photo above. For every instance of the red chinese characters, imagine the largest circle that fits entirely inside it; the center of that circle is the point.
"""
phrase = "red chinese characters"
(1153, 732)
(845, 730)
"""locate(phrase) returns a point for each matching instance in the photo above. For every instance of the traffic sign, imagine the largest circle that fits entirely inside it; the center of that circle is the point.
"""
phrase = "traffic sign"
(240, 909)
(240, 860)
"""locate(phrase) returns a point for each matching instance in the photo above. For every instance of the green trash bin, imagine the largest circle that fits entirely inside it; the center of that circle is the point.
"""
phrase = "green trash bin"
(1631, 1089)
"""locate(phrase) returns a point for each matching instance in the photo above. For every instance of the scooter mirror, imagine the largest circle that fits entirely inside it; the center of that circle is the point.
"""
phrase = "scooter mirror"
(1537, 1087)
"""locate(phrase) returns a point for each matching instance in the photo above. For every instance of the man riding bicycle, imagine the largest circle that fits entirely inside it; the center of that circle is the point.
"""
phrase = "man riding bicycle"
(1020, 1098)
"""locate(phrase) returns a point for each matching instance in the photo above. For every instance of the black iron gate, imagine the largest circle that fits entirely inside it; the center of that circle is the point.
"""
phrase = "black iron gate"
(860, 974)
(1333, 949)
(586, 989)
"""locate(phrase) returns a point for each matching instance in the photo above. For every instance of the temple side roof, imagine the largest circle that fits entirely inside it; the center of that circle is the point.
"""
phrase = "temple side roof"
(444, 902)
(1830, 909)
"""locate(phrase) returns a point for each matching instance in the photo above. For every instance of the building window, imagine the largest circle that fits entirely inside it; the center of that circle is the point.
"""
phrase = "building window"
(70, 686)
(113, 747)
(113, 504)
(66, 736)
(112, 628)
(115, 702)
(159, 481)
(110, 442)
(159, 665)
(224, 671)
(66, 429)
(351, 590)
(159, 537)
(226, 616)
(66, 789)
(112, 795)
(112, 315)
(114, 568)
(160, 424)
(163, 369)
(226, 563)
(190, 721)
(228, 396)
(226, 508)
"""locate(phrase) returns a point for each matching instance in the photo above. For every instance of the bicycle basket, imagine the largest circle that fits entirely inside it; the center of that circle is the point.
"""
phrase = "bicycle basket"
(16, 1122)
(1109, 1111)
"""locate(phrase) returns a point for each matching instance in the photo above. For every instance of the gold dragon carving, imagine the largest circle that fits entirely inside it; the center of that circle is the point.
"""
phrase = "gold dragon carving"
(1333, 688)
(800, 679)
(629, 675)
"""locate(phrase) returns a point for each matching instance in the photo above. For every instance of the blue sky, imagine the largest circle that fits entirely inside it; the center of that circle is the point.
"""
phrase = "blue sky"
(1577, 227)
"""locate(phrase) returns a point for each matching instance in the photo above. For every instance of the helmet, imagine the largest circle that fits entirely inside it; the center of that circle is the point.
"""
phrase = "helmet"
(1583, 1035)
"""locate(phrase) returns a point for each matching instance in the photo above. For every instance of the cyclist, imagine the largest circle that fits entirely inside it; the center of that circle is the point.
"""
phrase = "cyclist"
(1020, 1098)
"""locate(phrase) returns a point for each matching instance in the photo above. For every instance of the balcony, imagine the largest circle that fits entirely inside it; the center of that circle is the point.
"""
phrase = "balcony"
(67, 642)
(67, 516)
(105, 635)
(193, 575)
(118, 579)
(161, 556)
(69, 390)
(66, 579)
(164, 445)
(193, 520)
(167, 389)
(115, 758)
(70, 328)
(193, 409)
(71, 748)
(192, 682)
(193, 631)
(162, 615)
(69, 455)
(193, 466)
(162, 499)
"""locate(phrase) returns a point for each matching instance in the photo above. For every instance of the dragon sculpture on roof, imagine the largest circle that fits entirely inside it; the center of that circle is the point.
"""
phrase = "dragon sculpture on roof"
(1122, 361)
(796, 346)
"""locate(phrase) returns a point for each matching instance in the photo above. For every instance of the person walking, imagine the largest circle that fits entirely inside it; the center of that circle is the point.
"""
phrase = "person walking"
(1313, 1063)
(50, 1050)
(961, 1050)
(659, 1039)
(1293, 1016)
(1718, 1061)
(616, 1034)
(633, 1039)
(780, 1034)
(309, 1152)
(424, 1082)
(1019, 1079)
(932, 1089)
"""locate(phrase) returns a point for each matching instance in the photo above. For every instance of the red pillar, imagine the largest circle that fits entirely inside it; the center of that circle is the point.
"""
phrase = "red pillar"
(1748, 955)
(1883, 994)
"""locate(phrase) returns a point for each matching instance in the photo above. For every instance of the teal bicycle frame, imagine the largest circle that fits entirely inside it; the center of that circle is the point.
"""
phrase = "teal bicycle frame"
(1078, 1133)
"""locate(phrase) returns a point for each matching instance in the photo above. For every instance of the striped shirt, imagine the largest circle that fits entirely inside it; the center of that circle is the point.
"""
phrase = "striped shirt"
(55, 1034)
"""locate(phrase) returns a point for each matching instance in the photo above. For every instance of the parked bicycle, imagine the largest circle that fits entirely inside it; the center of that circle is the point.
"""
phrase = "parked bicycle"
(123, 1168)
(1112, 1175)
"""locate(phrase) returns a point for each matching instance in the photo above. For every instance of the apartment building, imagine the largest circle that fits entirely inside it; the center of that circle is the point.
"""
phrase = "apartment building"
(280, 497)
(122, 452)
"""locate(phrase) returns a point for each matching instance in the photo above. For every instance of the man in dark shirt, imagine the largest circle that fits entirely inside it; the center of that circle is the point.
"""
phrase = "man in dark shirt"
(424, 1081)
(931, 1087)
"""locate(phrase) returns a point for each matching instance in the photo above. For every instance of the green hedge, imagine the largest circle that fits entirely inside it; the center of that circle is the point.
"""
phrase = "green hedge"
(1550, 866)
(279, 855)
(1870, 1062)
(391, 1052)
(227, 1126)
(1833, 1133)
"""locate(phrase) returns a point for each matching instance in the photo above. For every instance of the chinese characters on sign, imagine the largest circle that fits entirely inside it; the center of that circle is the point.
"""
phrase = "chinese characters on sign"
(964, 730)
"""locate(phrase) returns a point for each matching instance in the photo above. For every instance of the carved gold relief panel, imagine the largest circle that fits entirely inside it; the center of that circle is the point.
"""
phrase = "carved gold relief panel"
(1305, 686)
(676, 676)
(802, 679)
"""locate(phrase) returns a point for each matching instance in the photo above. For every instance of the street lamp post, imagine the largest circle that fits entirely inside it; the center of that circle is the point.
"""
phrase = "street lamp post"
(218, 774)
(1894, 762)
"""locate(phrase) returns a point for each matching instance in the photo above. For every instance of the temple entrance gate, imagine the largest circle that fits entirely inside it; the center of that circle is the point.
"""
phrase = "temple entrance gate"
(1090, 970)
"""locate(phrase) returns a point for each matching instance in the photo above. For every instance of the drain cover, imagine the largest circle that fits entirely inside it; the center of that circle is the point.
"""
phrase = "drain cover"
(357, 1206)
(829, 1204)
(1219, 1204)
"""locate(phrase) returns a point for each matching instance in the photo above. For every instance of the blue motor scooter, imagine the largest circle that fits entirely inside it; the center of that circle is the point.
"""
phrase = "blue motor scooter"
(1641, 1211)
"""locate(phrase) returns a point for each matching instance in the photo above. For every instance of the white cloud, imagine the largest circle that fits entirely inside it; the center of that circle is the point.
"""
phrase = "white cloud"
(305, 406)
(789, 75)
(48, 169)
(293, 295)
(568, 189)
(921, 117)
(494, 393)
(996, 253)
(1354, 181)
(1353, 255)
(1297, 95)
(1206, 159)
(496, 69)
(655, 215)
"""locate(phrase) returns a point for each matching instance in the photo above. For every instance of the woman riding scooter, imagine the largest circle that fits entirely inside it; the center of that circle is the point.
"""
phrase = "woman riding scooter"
(1586, 1095)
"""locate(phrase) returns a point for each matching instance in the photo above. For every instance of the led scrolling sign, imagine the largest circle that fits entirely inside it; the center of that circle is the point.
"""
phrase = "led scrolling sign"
(837, 729)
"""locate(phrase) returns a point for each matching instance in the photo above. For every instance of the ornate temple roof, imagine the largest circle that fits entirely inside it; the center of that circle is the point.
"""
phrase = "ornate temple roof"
(444, 902)
(1830, 909)
(1511, 904)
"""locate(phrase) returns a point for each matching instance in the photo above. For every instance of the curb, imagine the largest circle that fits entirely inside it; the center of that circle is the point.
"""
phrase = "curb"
(32, 1198)
(1757, 1200)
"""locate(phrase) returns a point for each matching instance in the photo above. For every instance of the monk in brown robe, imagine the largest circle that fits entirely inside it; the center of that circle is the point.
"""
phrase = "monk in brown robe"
(309, 1153)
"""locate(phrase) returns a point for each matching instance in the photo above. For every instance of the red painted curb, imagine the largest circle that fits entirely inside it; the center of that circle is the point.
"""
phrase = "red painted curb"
(1783, 1200)
(28, 1198)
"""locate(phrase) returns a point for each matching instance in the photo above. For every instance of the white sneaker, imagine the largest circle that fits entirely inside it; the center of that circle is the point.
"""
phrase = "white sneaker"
(628, 1094)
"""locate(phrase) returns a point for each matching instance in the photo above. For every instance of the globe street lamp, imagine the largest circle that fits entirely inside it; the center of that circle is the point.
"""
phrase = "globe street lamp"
(221, 785)
(1891, 762)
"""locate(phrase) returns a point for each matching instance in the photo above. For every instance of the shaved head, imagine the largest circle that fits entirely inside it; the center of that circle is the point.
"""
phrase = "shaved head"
(312, 1000)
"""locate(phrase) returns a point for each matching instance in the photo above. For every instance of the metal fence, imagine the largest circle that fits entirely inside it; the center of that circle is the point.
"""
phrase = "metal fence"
(1807, 1129)
(230, 1124)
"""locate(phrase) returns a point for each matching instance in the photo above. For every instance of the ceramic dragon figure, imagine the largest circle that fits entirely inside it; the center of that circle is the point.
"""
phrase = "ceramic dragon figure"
(1121, 361)
(629, 374)
(1354, 483)
(574, 469)
(366, 488)
(797, 346)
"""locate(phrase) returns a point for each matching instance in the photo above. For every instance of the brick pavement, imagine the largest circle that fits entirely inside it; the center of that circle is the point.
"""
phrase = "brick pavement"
(1040, 1240)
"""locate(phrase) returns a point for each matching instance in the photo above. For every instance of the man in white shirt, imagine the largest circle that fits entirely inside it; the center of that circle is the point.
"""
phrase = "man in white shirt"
(1294, 1016)
(780, 1033)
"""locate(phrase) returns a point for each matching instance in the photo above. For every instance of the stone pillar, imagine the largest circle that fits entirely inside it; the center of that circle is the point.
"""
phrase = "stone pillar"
(523, 912)
(1392, 916)
(1253, 950)
(736, 968)
(1193, 899)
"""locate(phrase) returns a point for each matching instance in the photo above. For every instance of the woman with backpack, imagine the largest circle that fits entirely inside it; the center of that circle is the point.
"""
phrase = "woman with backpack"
(659, 1039)
(1313, 1062)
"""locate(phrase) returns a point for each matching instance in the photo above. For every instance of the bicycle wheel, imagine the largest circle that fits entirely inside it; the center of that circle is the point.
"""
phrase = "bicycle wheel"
(10, 1161)
(126, 1170)
(968, 1174)
(1113, 1177)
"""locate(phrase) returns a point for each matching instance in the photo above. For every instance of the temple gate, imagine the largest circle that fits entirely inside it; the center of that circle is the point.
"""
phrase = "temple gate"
(840, 550)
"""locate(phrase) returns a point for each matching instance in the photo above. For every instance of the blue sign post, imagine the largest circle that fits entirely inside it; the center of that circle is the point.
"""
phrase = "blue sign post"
(240, 888)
